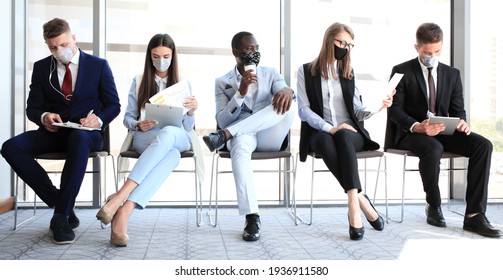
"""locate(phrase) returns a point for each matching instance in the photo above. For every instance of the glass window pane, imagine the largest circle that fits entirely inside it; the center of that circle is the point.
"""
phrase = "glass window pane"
(486, 84)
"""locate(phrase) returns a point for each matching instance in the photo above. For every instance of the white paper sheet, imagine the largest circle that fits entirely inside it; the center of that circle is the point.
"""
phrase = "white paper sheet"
(74, 126)
(386, 90)
(173, 95)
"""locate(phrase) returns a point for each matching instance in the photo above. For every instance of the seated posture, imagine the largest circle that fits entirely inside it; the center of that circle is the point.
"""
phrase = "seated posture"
(160, 147)
(253, 110)
(332, 121)
(69, 85)
(433, 88)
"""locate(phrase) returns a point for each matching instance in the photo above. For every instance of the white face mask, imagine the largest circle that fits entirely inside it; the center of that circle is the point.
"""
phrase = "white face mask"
(63, 55)
(161, 64)
(428, 61)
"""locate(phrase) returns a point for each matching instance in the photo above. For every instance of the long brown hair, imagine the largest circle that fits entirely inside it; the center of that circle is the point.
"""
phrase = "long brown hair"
(148, 86)
(324, 62)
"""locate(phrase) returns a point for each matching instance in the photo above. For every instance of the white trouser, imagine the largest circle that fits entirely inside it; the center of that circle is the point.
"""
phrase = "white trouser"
(157, 161)
(263, 131)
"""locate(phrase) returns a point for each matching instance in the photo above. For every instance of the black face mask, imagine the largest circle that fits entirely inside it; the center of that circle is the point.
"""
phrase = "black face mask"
(250, 58)
(340, 53)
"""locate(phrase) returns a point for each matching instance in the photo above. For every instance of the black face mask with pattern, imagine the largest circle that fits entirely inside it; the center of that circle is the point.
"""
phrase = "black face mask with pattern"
(340, 53)
(250, 58)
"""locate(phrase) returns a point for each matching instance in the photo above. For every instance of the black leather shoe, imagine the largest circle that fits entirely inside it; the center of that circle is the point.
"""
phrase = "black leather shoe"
(215, 140)
(378, 224)
(73, 220)
(61, 231)
(434, 216)
(481, 225)
(252, 228)
(356, 233)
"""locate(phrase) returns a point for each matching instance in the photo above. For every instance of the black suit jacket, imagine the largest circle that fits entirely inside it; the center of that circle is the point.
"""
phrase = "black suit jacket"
(314, 94)
(410, 103)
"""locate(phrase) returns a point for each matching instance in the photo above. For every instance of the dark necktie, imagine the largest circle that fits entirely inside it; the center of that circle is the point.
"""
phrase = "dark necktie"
(431, 88)
(66, 87)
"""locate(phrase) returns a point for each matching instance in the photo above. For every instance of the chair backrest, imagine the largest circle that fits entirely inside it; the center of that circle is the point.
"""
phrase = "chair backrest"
(106, 139)
(390, 134)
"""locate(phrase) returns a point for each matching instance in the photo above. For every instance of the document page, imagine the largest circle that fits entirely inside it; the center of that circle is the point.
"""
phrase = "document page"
(74, 126)
(173, 95)
(386, 90)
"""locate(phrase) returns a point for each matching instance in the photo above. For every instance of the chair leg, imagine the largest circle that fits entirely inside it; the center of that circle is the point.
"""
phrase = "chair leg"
(403, 195)
(292, 209)
(199, 200)
(213, 172)
(16, 195)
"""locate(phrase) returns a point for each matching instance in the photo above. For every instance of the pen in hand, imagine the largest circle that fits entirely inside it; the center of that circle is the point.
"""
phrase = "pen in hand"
(82, 121)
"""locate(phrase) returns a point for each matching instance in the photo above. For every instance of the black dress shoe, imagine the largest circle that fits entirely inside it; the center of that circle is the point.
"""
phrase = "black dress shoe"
(252, 228)
(356, 233)
(434, 216)
(481, 225)
(378, 224)
(215, 140)
(73, 220)
(61, 231)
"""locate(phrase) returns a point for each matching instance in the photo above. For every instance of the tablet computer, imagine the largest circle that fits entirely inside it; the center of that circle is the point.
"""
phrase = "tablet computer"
(164, 114)
(449, 122)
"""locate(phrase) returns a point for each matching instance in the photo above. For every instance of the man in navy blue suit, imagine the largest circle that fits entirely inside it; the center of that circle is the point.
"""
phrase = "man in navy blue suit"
(69, 85)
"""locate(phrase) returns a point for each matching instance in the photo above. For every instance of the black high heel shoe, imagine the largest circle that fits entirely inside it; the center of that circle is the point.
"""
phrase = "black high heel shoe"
(355, 233)
(378, 224)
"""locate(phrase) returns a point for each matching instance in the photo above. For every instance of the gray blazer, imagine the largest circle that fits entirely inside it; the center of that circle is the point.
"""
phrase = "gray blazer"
(270, 81)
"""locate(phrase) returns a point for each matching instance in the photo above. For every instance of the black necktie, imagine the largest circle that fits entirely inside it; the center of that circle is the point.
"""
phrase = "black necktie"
(431, 88)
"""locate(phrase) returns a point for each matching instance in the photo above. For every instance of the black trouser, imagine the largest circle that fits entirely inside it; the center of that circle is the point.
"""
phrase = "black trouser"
(475, 147)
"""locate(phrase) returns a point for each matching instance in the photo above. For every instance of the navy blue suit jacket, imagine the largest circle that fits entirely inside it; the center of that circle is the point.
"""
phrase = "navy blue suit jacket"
(94, 90)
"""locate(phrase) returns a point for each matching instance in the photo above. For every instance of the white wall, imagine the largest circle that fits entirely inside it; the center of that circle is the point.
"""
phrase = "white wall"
(6, 84)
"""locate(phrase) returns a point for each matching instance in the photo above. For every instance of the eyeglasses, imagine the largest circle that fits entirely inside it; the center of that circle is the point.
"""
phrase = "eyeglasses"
(345, 44)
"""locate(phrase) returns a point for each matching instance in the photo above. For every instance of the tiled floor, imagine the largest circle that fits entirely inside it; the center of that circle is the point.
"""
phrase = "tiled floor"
(172, 234)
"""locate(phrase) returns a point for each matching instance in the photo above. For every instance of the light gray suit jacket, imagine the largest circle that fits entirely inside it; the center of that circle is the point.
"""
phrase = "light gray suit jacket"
(270, 81)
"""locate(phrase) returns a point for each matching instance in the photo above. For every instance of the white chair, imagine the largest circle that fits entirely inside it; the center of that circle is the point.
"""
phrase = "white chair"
(99, 155)
(364, 155)
(126, 154)
(283, 154)
(390, 135)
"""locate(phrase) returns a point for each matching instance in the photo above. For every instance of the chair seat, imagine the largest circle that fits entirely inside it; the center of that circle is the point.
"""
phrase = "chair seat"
(260, 155)
(133, 154)
(359, 155)
(62, 156)
(411, 154)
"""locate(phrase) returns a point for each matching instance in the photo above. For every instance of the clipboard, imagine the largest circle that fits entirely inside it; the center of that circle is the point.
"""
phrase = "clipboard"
(164, 114)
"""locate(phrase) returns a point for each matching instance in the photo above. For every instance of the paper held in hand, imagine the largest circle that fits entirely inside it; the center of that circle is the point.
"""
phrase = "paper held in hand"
(386, 90)
(173, 95)
(74, 126)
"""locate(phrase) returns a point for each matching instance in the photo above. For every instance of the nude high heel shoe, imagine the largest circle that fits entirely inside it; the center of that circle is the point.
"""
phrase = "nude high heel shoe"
(119, 239)
(104, 215)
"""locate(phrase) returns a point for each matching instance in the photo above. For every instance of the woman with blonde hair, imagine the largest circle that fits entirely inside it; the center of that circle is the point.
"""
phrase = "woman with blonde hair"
(332, 117)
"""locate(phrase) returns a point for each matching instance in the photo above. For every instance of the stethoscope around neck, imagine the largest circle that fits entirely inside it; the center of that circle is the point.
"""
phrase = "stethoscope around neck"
(52, 68)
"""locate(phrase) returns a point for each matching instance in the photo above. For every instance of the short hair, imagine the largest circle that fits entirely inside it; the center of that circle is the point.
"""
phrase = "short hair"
(428, 33)
(236, 40)
(55, 27)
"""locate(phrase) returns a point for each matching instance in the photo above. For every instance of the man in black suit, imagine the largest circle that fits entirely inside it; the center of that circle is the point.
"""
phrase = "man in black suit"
(433, 88)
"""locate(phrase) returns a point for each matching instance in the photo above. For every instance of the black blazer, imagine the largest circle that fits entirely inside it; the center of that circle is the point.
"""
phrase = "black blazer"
(314, 95)
(410, 103)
